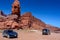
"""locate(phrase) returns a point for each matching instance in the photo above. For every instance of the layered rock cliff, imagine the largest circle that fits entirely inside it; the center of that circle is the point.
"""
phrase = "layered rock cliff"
(25, 21)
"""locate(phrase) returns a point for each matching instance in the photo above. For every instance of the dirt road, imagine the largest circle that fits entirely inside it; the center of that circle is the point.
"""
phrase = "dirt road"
(24, 35)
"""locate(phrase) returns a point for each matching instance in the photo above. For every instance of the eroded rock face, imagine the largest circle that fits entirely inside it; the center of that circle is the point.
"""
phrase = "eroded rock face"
(12, 17)
(2, 25)
(37, 24)
(1, 13)
(51, 27)
(11, 24)
(10, 21)
(30, 22)
(26, 21)
(16, 8)
(2, 16)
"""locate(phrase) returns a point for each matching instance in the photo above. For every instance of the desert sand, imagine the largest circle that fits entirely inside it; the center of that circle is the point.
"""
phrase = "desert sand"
(33, 35)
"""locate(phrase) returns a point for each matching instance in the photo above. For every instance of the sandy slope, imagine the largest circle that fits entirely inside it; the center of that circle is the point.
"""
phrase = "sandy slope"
(24, 35)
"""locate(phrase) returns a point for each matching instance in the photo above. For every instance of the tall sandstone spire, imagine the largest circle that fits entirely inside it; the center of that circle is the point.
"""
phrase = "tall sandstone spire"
(16, 8)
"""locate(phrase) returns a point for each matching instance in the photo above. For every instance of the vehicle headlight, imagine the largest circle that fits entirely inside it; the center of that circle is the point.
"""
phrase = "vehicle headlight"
(15, 35)
(44, 31)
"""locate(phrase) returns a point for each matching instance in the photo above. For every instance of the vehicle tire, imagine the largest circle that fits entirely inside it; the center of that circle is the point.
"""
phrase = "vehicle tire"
(5, 35)
(16, 36)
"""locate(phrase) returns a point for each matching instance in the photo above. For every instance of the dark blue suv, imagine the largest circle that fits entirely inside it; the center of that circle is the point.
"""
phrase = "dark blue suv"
(45, 32)
(10, 34)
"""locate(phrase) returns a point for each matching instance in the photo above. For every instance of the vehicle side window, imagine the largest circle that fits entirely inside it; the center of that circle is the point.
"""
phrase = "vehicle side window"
(9, 31)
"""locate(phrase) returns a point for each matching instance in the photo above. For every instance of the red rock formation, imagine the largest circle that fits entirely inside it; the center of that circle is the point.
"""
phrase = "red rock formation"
(16, 8)
(26, 21)
(12, 17)
(2, 25)
(38, 22)
(1, 13)
(11, 24)
(52, 27)
(2, 16)
(29, 21)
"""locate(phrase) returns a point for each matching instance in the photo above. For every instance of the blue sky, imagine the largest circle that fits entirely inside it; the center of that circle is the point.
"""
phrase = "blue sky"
(46, 10)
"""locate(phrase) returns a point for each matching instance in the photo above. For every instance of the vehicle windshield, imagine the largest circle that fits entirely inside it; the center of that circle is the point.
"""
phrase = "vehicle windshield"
(45, 30)
(10, 31)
